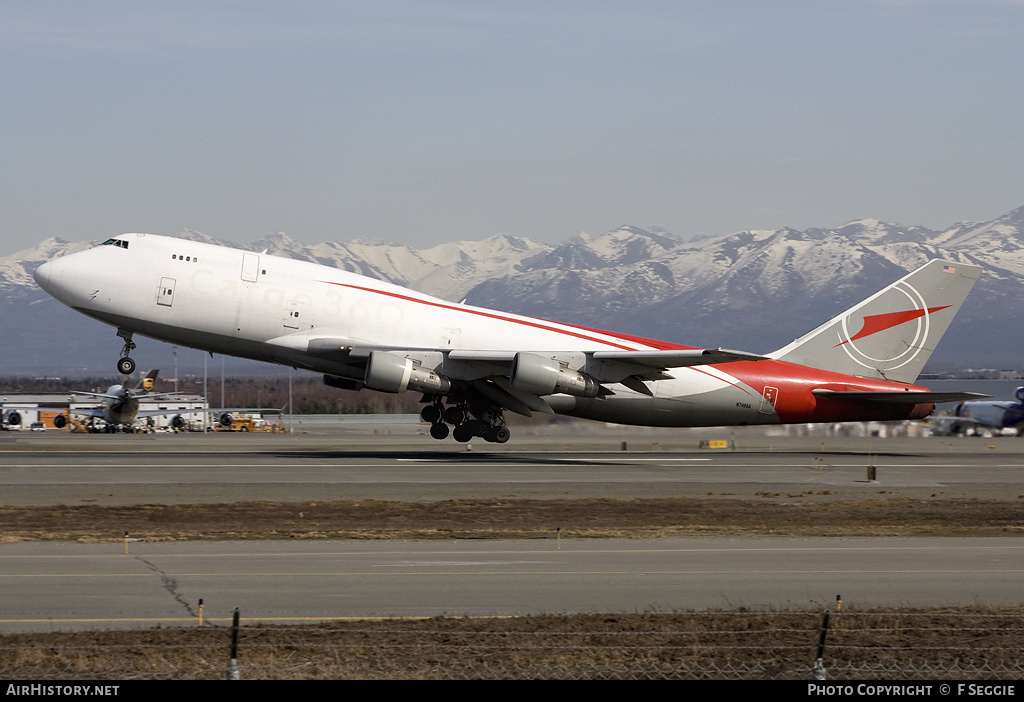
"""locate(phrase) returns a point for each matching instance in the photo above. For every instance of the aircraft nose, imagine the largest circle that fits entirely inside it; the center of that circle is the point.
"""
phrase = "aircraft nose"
(42, 275)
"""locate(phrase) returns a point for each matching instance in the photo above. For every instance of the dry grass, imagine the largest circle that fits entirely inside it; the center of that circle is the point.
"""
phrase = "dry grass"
(747, 644)
(505, 519)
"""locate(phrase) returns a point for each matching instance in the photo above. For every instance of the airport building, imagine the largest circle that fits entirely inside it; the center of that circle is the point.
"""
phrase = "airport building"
(27, 412)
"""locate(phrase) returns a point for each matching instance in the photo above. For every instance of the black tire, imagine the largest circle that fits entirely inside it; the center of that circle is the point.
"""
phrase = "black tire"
(439, 430)
(454, 415)
(126, 366)
(464, 432)
(497, 435)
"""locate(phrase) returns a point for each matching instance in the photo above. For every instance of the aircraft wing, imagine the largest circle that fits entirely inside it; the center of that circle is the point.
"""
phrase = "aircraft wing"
(96, 412)
(343, 347)
(489, 371)
(663, 360)
(898, 398)
(492, 371)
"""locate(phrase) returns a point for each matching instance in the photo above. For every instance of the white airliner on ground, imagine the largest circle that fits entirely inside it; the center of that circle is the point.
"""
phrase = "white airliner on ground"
(471, 363)
(992, 415)
(121, 403)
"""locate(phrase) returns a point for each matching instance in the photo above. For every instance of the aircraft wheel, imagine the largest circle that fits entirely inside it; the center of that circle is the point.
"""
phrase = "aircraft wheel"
(439, 430)
(464, 432)
(454, 415)
(126, 366)
(497, 435)
(431, 414)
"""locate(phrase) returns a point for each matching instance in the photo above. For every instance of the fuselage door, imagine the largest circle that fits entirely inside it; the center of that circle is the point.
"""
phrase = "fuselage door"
(250, 267)
(165, 295)
(297, 314)
(768, 399)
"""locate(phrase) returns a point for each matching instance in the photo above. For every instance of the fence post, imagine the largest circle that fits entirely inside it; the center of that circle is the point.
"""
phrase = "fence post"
(233, 673)
(818, 671)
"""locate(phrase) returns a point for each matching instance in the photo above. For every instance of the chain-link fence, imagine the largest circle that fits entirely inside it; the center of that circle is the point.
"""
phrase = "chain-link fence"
(905, 645)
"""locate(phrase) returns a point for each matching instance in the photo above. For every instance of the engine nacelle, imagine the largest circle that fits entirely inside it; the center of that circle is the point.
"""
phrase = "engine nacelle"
(1019, 394)
(178, 422)
(13, 418)
(60, 421)
(540, 375)
(389, 372)
(224, 419)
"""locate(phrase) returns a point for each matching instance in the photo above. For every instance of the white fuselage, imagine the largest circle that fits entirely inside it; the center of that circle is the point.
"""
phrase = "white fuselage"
(306, 315)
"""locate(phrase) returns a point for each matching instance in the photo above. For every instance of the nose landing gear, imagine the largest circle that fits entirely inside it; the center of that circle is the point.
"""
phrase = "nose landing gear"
(125, 365)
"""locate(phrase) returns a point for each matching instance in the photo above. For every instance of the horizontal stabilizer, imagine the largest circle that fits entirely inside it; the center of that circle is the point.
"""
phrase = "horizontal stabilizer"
(898, 398)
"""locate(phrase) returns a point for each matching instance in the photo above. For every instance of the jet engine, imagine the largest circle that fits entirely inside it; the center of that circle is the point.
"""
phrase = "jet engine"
(389, 372)
(13, 418)
(60, 421)
(540, 375)
(178, 422)
(224, 419)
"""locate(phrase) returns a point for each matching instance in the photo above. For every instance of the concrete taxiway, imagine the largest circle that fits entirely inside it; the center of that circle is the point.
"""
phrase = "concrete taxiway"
(65, 585)
(74, 586)
(399, 462)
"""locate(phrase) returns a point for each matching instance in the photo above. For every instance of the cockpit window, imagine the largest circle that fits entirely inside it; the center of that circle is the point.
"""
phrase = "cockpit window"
(115, 242)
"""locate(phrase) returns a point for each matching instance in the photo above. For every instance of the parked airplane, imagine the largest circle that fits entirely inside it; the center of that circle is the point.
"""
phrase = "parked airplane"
(990, 414)
(121, 406)
(472, 364)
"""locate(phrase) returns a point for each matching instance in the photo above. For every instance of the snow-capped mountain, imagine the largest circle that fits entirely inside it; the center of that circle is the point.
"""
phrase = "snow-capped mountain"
(754, 290)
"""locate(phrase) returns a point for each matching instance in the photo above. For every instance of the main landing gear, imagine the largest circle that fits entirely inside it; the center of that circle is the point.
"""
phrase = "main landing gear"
(125, 365)
(490, 425)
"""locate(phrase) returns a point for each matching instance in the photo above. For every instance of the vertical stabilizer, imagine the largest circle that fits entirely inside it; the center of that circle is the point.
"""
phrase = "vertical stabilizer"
(891, 335)
(147, 383)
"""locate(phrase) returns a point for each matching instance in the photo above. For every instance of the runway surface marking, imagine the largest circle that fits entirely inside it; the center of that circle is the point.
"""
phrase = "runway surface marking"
(574, 463)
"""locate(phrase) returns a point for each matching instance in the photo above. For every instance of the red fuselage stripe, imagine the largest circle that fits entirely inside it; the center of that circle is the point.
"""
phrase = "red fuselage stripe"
(537, 324)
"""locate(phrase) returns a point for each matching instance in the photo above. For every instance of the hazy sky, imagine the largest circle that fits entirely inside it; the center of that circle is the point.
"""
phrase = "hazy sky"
(422, 122)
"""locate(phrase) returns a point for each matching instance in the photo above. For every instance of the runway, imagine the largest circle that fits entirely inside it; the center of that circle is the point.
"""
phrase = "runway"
(405, 464)
(74, 586)
(66, 585)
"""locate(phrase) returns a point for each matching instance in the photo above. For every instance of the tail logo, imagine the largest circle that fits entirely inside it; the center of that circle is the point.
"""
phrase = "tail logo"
(874, 323)
(898, 352)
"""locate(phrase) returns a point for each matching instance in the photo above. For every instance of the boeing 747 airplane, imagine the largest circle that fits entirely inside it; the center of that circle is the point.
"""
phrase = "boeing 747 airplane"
(991, 415)
(472, 364)
(121, 403)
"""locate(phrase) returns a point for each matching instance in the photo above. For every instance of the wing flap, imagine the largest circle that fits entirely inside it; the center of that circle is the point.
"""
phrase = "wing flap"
(676, 358)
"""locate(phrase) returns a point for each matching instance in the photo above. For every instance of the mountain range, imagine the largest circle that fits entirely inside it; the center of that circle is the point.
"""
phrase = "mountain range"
(753, 290)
